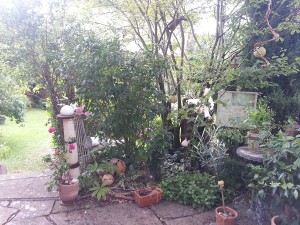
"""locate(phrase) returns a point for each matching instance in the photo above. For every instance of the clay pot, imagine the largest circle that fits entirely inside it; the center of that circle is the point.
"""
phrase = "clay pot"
(275, 220)
(253, 140)
(121, 167)
(222, 220)
(2, 120)
(108, 179)
(68, 193)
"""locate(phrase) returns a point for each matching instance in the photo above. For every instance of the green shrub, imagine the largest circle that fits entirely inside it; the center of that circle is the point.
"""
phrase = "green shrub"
(284, 106)
(4, 151)
(230, 136)
(198, 190)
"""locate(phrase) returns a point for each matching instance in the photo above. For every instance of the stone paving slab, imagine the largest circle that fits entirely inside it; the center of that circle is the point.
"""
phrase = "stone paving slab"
(118, 214)
(80, 204)
(31, 221)
(30, 209)
(200, 219)
(4, 203)
(6, 213)
(167, 209)
(25, 188)
(17, 176)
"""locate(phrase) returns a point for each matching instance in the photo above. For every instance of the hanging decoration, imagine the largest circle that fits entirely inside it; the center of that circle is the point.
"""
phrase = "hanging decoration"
(259, 50)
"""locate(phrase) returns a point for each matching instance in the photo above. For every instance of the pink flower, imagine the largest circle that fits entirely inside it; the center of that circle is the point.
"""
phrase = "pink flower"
(71, 147)
(79, 111)
(51, 130)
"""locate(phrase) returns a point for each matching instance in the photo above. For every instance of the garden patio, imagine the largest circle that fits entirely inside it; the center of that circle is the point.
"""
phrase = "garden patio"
(24, 200)
(150, 112)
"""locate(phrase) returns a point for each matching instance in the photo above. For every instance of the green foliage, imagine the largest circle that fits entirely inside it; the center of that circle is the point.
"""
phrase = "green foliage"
(100, 191)
(119, 88)
(279, 174)
(157, 147)
(131, 180)
(234, 172)
(230, 136)
(12, 103)
(210, 151)
(198, 190)
(4, 151)
(284, 106)
(259, 119)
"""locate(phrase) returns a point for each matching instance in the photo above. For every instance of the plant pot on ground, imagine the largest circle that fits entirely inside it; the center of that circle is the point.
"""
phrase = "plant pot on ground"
(68, 191)
(225, 215)
(276, 220)
(148, 196)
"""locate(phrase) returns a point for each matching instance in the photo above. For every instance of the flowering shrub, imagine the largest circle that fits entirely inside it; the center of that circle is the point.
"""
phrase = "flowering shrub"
(57, 160)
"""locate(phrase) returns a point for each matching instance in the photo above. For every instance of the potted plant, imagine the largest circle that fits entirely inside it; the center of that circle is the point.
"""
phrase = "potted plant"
(68, 190)
(147, 196)
(224, 214)
(61, 179)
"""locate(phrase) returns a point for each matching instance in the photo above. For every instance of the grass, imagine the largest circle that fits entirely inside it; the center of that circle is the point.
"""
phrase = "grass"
(26, 143)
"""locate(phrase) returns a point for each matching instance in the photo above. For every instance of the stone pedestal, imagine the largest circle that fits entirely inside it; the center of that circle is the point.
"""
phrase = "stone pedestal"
(69, 136)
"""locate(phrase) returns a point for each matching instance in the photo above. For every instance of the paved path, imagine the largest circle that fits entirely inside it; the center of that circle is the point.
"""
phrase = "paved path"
(24, 200)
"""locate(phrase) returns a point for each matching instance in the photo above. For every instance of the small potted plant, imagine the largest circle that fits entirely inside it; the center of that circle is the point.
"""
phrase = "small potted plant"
(68, 189)
(147, 196)
(224, 214)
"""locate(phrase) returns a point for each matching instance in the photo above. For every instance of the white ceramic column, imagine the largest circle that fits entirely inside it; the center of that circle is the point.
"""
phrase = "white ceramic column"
(69, 134)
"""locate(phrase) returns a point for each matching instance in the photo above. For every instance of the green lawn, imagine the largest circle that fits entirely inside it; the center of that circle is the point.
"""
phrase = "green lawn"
(27, 143)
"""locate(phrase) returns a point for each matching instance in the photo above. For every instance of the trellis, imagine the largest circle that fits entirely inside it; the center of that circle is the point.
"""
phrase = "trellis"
(81, 139)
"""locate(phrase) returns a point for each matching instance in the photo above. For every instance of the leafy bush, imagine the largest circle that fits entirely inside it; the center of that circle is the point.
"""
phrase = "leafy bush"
(4, 151)
(230, 136)
(279, 174)
(198, 190)
(158, 145)
(210, 151)
(284, 106)
(12, 102)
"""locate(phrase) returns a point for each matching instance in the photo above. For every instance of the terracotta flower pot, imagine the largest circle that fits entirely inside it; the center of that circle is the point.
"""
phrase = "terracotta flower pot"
(154, 195)
(222, 220)
(68, 193)
(275, 220)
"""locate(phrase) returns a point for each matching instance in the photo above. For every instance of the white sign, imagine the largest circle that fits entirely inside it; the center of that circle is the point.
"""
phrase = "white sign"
(233, 106)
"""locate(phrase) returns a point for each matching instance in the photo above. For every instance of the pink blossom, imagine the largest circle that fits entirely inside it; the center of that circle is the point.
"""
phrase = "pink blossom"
(79, 111)
(71, 147)
(87, 114)
(51, 130)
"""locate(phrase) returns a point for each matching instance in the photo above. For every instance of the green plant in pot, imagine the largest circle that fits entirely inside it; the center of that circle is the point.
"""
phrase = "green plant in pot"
(259, 123)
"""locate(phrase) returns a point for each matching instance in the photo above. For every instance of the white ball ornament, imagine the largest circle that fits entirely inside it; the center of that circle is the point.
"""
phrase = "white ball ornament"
(67, 110)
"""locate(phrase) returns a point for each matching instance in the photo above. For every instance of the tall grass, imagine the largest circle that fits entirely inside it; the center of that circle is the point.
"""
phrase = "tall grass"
(26, 143)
